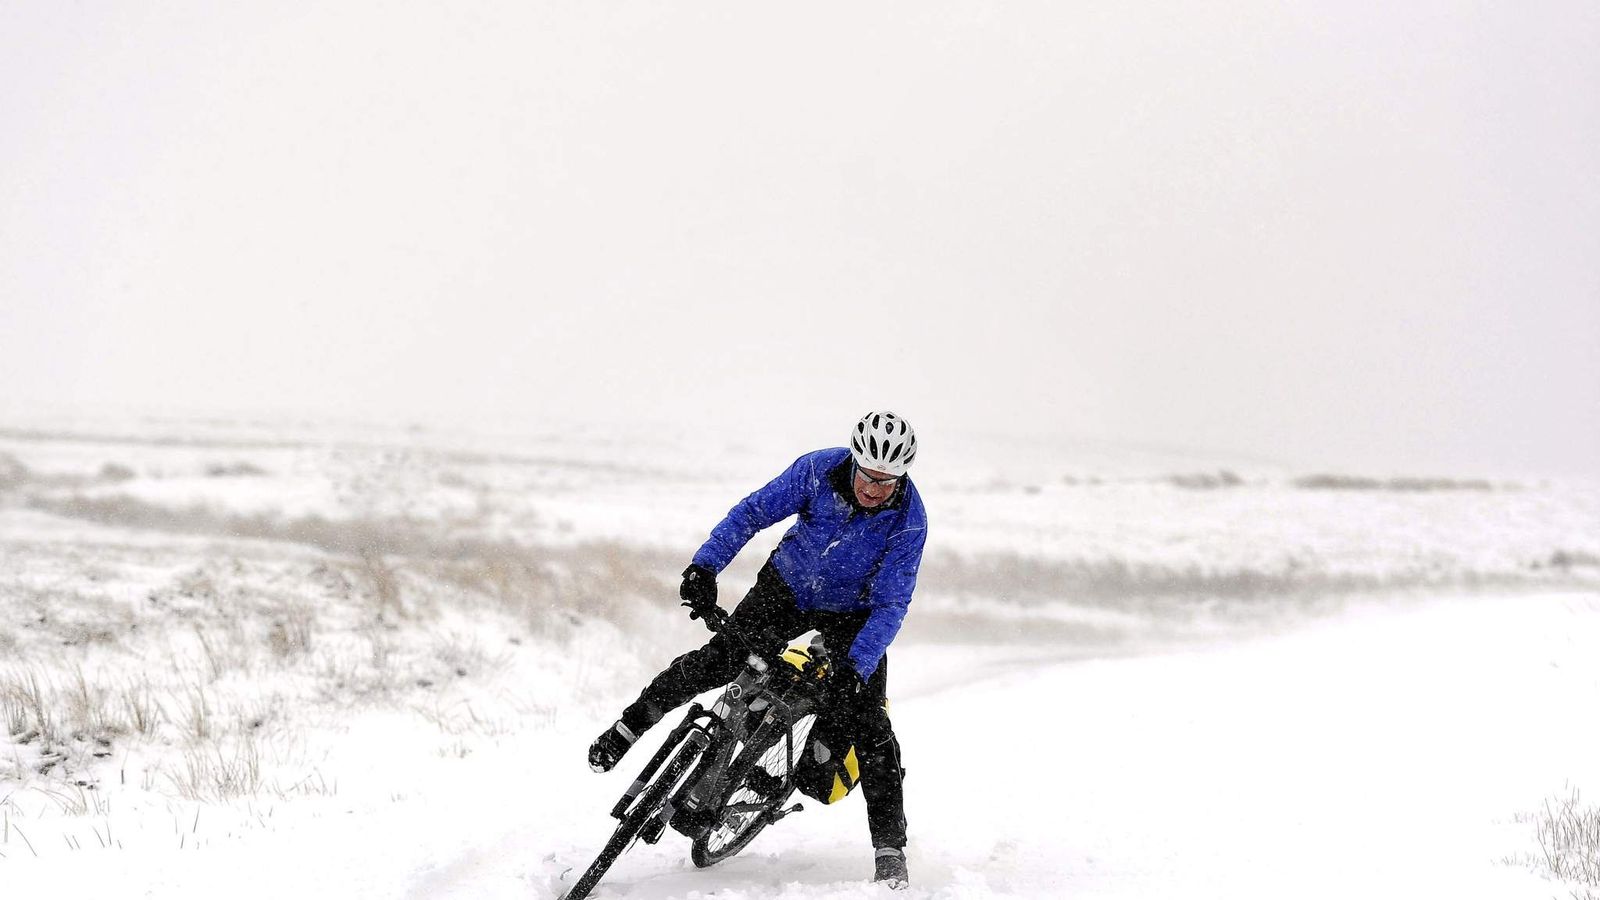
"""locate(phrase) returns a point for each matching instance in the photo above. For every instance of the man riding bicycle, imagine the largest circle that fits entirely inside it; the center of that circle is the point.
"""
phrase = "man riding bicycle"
(846, 568)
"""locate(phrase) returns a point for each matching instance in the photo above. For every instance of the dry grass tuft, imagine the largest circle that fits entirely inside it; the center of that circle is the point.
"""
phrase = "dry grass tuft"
(1568, 835)
(42, 723)
(1568, 832)
(90, 715)
(383, 583)
(212, 771)
(14, 712)
(200, 721)
(141, 709)
(290, 634)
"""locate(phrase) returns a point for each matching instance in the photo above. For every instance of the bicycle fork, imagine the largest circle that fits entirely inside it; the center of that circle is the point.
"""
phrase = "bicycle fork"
(689, 732)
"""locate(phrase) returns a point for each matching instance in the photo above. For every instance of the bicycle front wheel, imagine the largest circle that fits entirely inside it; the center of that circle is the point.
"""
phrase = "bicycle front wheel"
(759, 784)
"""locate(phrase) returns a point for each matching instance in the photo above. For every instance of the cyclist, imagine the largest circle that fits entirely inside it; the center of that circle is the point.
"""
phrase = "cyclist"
(846, 567)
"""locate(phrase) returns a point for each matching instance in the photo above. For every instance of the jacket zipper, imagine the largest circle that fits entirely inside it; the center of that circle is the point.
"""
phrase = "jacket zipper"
(838, 531)
(834, 541)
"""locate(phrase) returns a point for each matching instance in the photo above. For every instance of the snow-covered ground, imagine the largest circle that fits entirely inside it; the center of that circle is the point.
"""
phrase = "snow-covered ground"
(251, 657)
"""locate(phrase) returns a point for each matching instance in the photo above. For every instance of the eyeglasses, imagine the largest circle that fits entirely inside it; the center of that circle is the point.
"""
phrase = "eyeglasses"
(889, 479)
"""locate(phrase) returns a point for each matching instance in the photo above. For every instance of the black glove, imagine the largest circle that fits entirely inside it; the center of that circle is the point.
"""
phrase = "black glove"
(843, 688)
(699, 590)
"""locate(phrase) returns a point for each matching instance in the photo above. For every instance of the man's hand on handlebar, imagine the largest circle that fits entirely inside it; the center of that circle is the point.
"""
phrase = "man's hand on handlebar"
(843, 687)
(699, 593)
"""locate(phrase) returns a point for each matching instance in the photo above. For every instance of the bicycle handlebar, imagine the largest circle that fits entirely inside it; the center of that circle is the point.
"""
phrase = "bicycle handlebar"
(765, 643)
(719, 621)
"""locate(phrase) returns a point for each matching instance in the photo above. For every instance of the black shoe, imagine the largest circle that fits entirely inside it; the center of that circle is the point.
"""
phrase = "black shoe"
(891, 863)
(608, 749)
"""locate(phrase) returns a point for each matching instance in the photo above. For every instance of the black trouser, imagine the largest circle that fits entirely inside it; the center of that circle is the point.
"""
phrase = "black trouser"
(771, 605)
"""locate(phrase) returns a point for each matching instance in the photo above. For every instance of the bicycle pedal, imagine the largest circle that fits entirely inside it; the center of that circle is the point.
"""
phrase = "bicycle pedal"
(775, 816)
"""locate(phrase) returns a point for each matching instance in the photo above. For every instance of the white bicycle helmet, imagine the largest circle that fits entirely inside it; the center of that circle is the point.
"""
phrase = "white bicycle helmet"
(884, 442)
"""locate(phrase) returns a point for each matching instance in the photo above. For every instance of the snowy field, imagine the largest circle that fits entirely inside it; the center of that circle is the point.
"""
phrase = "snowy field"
(242, 658)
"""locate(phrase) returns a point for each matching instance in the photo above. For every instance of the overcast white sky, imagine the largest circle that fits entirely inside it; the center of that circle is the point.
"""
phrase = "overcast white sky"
(1360, 234)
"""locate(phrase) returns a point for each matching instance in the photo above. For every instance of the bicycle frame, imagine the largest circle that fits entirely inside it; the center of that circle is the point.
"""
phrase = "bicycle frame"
(755, 692)
(716, 733)
(691, 770)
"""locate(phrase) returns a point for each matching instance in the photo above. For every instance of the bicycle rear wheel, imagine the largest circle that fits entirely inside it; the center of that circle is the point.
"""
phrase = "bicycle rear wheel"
(749, 801)
(649, 803)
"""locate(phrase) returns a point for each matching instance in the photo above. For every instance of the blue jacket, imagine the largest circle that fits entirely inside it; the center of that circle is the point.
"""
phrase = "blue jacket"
(837, 556)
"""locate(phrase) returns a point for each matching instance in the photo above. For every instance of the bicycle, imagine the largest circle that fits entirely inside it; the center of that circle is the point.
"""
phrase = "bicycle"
(724, 773)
